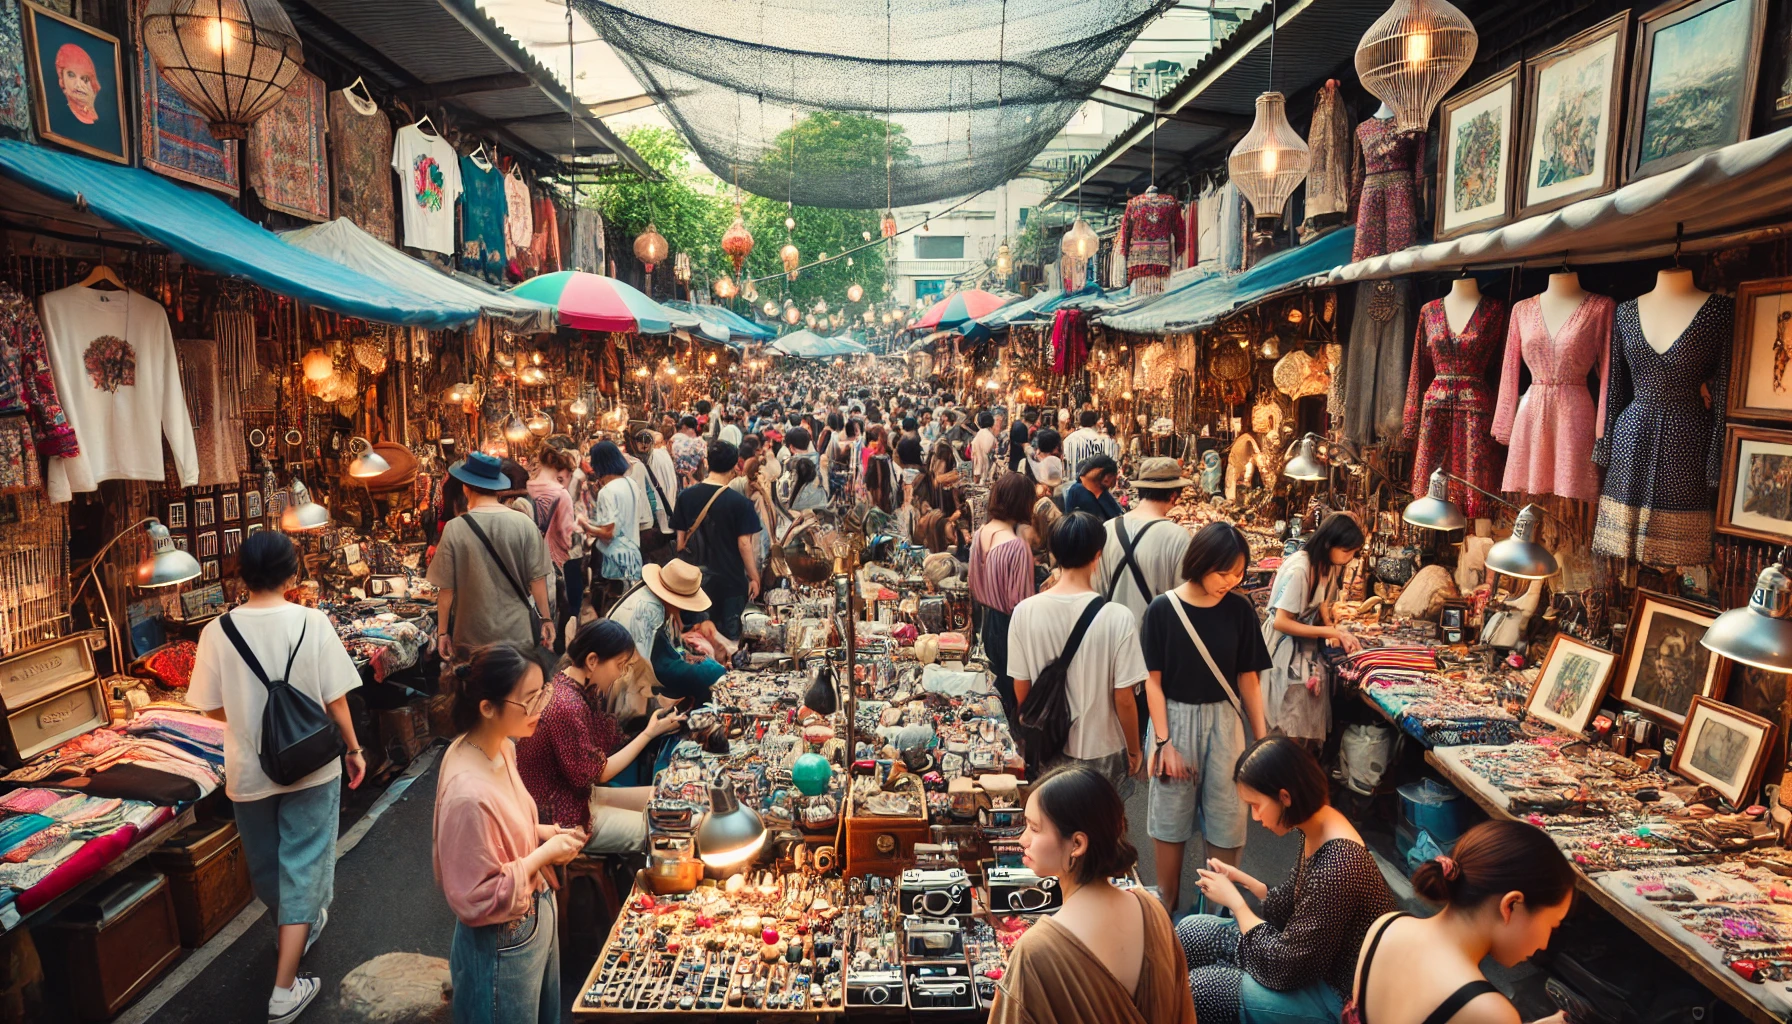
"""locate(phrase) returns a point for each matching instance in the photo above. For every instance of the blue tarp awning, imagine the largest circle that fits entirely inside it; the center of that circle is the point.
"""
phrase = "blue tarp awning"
(1207, 299)
(809, 345)
(1027, 310)
(735, 328)
(210, 235)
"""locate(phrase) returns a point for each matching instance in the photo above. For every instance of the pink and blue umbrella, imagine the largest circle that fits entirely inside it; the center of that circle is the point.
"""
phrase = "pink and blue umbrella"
(592, 302)
(958, 307)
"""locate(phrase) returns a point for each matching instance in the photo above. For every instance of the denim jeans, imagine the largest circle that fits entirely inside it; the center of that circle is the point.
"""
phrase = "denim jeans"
(290, 842)
(725, 611)
(508, 973)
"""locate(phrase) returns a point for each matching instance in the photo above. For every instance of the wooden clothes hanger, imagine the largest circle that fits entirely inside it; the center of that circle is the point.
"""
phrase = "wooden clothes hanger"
(421, 121)
(101, 274)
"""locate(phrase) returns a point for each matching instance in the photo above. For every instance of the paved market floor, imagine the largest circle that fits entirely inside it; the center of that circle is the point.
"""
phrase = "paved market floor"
(387, 901)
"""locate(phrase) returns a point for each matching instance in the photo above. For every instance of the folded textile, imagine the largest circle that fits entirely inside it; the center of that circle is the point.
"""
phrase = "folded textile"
(15, 829)
(30, 801)
(41, 841)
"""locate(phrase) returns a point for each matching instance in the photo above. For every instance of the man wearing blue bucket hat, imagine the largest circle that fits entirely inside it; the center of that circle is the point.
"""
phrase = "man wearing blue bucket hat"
(491, 567)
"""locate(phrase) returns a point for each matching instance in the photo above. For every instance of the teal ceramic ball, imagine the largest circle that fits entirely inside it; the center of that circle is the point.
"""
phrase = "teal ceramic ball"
(811, 774)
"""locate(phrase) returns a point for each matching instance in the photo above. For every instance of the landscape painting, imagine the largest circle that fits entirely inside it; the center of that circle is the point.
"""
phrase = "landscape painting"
(1572, 96)
(1695, 81)
(1475, 156)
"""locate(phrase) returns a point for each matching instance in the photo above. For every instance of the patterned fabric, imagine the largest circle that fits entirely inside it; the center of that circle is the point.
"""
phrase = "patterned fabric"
(1383, 187)
(361, 164)
(545, 250)
(567, 753)
(587, 240)
(26, 383)
(288, 167)
(15, 92)
(172, 666)
(519, 215)
(688, 454)
(216, 414)
(1332, 148)
(1070, 340)
(1374, 369)
(1152, 233)
(1449, 408)
(1551, 431)
(1002, 576)
(482, 220)
(29, 801)
(1662, 448)
(177, 140)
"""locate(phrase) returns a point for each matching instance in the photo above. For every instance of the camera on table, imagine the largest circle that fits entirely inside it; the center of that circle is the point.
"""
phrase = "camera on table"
(874, 988)
(941, 987)
(934, 892)
(932, 939)
(1020, 891)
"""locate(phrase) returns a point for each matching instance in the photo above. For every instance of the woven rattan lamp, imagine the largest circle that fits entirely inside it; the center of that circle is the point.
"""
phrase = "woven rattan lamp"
(650, 247)
(1271, 161)
(231, 59)
(1412, 55)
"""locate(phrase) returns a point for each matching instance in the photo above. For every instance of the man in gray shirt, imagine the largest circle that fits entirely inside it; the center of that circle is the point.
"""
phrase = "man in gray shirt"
(478, 602)
(1157, 543)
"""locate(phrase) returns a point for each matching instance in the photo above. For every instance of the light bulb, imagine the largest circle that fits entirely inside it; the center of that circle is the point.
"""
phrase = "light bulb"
(640, 371)
(790, 223)
(712, 359)
(516, 431)
(770, 308)
(854, 293)
(217, 35)
(1268, 158)
(579, 408)
(539, 424)
(1418, 47)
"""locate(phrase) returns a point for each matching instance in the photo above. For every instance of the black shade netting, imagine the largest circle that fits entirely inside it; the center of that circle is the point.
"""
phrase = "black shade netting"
(863, 103)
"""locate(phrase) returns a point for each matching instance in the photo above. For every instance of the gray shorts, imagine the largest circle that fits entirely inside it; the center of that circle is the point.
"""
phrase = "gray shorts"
(1210, 738)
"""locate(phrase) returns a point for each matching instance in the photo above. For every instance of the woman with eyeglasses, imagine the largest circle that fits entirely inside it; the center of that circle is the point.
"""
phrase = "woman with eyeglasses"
(577, 748)
(1106, 955)
(491, 853)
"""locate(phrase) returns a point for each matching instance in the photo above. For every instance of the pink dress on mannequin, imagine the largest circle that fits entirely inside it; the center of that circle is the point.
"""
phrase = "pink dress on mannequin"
(1551, 429)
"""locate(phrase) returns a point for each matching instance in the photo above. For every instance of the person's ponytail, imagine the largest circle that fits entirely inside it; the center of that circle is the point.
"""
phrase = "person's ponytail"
(1493, 859)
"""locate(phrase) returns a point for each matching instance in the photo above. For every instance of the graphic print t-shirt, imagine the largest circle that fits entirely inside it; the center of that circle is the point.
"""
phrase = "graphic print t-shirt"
(428, 185)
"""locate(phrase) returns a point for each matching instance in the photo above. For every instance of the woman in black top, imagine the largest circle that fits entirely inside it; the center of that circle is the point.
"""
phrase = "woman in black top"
(1198, 719)
(1293, 961)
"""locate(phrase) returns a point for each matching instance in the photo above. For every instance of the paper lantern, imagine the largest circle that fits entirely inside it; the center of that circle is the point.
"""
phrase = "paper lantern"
(1271, 160)
(317, 364)
(231, 59)
(854, 293)
(725, 288)
(791, 258)
(1412, 55)
(770, 308)
(750, 292)
(889, 224)
(1080, 242)
(1004, 260)
(792, 315)
(650, 247)
(737, 241)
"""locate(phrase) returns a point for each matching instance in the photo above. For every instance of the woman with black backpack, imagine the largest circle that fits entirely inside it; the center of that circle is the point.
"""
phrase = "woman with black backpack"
(282, 779)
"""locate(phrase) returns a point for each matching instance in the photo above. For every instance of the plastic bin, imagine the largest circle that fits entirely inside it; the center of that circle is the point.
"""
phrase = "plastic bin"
(1436, 808)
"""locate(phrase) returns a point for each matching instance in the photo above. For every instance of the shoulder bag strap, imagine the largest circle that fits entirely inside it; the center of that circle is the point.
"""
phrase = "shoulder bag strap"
(521, 595)
(1448, 1009)
(697, 522)
(1129, 544)
(1362, 972)
(248, 656)
(1083, 622)
(665, 503)
(1207, 656)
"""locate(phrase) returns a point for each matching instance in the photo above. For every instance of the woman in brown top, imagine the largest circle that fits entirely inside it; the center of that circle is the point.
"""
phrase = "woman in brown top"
(1108, 955)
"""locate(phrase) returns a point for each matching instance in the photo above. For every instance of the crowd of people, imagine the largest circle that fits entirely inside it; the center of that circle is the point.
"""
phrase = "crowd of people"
(589, 601)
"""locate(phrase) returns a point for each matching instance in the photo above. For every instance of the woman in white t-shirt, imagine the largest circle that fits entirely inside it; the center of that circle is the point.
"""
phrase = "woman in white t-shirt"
(1297, 700)
(614, 526)
(288, 832)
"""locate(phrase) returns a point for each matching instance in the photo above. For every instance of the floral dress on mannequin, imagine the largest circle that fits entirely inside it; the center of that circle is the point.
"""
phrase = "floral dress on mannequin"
(1384, 187)
(1551, 430)
(1449, 407)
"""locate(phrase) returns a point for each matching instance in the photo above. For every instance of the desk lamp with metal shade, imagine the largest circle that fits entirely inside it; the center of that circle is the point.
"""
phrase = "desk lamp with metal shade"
(731, 834)
(1518, 556)
(1759, 634)
(167, 566)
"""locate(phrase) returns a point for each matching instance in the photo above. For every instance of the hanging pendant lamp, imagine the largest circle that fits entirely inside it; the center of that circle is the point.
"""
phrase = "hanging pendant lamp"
(1271, 161)
(1080, 242)
(1412, 55)
(737, 241)
(725, 288)
(681, 268)
(791, 257)
(231, 59)
(854, 292)
(650, 247)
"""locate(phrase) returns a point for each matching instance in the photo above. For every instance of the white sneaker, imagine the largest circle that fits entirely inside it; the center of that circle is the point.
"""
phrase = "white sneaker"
(284, 1008)
(323, 918)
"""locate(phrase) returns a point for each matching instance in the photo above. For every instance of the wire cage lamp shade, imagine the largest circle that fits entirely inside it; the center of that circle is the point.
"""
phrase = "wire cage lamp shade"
(1080, 242)
(231, 59)
(650, 247)
(1412, 55)
(1271, 161)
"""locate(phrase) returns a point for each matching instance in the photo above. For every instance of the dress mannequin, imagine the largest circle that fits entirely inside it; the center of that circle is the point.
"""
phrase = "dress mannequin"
(1459, 305)
(1559, 301)
(1384, 112)
(1666, 312)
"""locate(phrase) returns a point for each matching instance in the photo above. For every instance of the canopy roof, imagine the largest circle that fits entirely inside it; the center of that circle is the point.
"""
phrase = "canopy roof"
(958, 307)
(1209, 298)
(806, 344)
(731, 326)
(343, 241)
(209, 234)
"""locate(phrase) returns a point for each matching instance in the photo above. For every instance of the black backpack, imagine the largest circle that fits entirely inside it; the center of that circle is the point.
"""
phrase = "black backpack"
(1044, 717)
(297, 735)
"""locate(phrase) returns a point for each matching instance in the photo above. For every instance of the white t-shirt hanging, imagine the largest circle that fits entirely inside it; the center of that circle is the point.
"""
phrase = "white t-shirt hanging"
(519, 212)
(112, 355)
(428, 186)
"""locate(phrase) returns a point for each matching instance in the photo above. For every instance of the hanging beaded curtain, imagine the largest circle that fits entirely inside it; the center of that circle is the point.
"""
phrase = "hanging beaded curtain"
(800, 100)
(231, 59)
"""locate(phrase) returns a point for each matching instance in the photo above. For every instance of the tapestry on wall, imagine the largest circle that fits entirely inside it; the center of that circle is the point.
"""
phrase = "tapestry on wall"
(288, 168)
(15, 92)
(361, 164)
(175, 139)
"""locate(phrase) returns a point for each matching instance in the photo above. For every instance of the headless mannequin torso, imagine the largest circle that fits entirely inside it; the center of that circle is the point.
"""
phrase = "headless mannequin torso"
(1666, 312)
(1460, 304)
(1384, 112)
(1559, 301)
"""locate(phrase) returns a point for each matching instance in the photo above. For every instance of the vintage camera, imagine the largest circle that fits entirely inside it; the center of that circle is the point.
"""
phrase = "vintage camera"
(1020, 891)
(1002, 822)
(874, 988)
(934, 892)
(940, 987)
(669, 815)
(932, 939)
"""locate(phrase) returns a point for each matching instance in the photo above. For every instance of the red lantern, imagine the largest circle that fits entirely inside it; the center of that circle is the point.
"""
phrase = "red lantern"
(737, 241)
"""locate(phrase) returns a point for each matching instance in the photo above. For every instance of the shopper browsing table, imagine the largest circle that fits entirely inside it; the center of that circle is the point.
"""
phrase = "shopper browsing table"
(491, 856)
(1292, 964)
(288, 831)
(657, 612)
(1297, 701)
(716, 528)
(1107, 956)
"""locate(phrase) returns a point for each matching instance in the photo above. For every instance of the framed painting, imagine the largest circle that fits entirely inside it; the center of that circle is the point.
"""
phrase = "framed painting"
(1775, 92)
(1692, 87)
(1571, 683)
(1754, 498)
(75, 96)
(1761, 360)
(1573, 100)
(1723, 747)
(1474, 155)
(1664, 664)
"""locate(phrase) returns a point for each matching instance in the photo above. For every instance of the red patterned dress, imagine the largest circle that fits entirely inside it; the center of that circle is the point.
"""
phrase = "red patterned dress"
(1384, 188)
(1449, 405)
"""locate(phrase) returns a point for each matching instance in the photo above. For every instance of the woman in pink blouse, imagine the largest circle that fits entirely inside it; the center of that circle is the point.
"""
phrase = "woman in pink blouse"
(1002, 573)
(491, 857)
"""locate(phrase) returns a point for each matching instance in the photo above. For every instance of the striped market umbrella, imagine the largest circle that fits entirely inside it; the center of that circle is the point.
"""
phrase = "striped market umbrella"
(592, 302)
(958, 307)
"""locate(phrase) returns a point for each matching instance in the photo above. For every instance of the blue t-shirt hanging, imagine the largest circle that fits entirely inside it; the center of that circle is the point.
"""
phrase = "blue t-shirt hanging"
(482, 220)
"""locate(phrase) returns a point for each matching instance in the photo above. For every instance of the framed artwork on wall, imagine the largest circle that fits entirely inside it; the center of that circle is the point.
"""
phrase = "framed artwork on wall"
(1571, 683)
(1755, 497)
(1478, 133)
(1664, 664)
(76, 95)
(1723, 747)
(1761, 361)
(1692, 87)
(1573, 99)
(1775, 92)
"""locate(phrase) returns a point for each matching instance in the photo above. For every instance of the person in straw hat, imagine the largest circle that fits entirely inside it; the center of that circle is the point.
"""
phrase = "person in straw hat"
(657, 612)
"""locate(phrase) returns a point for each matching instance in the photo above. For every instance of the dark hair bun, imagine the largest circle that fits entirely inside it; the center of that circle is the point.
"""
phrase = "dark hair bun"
(1429, 882)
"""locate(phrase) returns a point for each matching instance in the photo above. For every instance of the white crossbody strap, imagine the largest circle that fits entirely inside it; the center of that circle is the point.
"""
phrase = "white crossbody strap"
(1207, 656)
